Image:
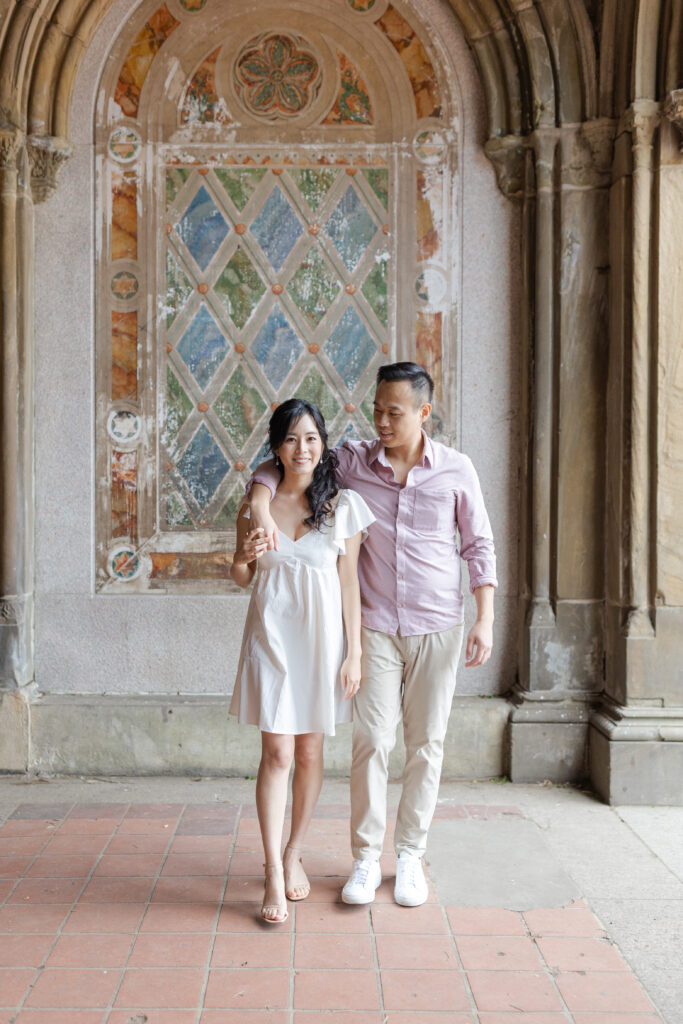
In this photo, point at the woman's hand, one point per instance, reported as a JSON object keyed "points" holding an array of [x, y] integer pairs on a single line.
{"points": [[251, 547], [350, 676]]}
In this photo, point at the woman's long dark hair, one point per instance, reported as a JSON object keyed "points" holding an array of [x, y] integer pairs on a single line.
{"points": [[323, 487]]}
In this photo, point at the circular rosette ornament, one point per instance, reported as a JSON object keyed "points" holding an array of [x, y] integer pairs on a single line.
{"points": [[277, 76]]}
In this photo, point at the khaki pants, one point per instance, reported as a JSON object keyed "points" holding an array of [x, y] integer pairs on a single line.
{"points": [[413, 676]]}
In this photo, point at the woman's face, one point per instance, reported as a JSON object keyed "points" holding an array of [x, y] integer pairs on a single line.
{"points": [[302, 448]]}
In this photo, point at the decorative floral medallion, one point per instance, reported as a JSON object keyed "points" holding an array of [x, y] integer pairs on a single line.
{"points": [[277, 76], [429, 147], [123, 426], [192, 5], [124, 285], [124, 144], [430, 286], [361, 5], [123, 564]]}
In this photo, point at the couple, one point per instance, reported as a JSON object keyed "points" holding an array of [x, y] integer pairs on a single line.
{"points": [[399, 596]]}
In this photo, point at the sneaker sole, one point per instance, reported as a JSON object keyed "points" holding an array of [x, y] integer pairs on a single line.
{"points": [[409, 903], [352, 901]]}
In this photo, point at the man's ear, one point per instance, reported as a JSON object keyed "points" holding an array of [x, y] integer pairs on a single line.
{"points": [[425, 411]]}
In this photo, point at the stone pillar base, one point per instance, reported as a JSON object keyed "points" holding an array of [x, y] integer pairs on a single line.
{"points": [[14, 732], [636, 754], [547, 736]]}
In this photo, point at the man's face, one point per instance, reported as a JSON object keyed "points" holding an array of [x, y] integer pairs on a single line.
{"points": [[398, 413]]}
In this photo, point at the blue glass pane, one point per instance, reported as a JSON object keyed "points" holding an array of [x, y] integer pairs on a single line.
{"points": [[350, 348], [277, 228], [350, 228], [202, 228], [203, 466], [277, 348], [202, 347]]}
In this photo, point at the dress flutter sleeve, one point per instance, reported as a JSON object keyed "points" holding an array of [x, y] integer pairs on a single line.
{"points": [[352, 516]]}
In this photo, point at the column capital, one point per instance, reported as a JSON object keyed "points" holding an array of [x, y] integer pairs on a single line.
{"points": [[507, 154], [640, 120], [11, 140], [587, 153], [673, 111], [46, 154]]}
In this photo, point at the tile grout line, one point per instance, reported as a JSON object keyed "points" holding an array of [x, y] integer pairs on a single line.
{"points": [[547, 969], [375, 960], [221, 898], [474, 1009]]}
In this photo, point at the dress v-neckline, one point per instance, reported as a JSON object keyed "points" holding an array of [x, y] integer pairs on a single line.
{"points": [[291, 539]]}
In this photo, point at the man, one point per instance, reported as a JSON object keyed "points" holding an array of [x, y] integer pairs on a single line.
{"points": [[421, 492]]}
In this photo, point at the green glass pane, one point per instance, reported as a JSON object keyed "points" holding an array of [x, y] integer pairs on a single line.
{"points": [[240, 182], [175, 179], [313, 288], [375, 289], [176, 513], [314, 183], [367, 406], [178, 407], [227, 516], [378, 179], [239, 287], [178, 289], [314, 388], [239, 407]]}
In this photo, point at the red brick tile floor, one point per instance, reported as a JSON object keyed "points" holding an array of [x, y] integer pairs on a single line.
{"points": [[148, 914]]}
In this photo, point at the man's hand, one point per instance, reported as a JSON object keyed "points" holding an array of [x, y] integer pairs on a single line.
{"points": [[479, 643], [261, 519], [251, 547]]}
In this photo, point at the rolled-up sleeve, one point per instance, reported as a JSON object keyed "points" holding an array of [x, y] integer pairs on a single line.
{"points": [[476, 536], [267, 475]]}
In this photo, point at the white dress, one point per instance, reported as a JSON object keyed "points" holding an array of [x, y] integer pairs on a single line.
{"points": [[293, 643]]}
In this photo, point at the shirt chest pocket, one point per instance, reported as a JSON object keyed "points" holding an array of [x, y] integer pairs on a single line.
{"points": [[434, 511]]}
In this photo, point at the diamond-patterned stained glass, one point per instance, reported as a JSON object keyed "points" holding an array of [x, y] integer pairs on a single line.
{"points": [[239, 406], [202, 347], [261, 455], [239, 287], [202, 228], [178, 289], [313, 288], [228, 514], [178, 407], [175, 179], [277, 229], [374, 288], [276, 347], [314, 388], [314, 183], [351, 228], [203, 466], [240, 182], [378, 180], [176, 512], [350, 348]]}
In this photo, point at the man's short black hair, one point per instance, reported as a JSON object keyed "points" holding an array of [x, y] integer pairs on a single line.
{"points": [[416, 375]]}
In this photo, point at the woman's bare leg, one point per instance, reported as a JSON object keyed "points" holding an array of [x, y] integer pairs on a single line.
{"points": [[306, 784], [271, 799]]}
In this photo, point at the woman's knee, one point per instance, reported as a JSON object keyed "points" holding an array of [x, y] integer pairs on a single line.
{"points": [[276, 755], [308, 751]]}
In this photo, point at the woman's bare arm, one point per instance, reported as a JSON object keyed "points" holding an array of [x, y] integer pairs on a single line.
{"points": [[251, 544]]}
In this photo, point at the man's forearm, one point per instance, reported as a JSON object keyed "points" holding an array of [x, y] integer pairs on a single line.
{"points": [[484, 598], [260, 498]]}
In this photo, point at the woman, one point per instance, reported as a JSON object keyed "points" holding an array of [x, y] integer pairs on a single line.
{"points": [[293, 679]]}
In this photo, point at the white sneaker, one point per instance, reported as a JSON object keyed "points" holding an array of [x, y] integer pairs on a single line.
{"points": [[364, 879], [410, 889]]}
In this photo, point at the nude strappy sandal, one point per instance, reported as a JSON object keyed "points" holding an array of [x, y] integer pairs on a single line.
{"points": [[304, 886], [274, 913]]}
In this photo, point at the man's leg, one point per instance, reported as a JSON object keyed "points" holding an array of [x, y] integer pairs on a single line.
{"points": [[376, 713], [429, 684]]}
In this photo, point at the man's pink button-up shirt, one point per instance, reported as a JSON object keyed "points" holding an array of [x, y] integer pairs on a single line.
{"points": [[409, 566]]}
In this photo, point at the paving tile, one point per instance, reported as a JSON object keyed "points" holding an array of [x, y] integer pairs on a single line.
{"points": [[101, 810], [47, 866], [47, 890], [26, 827], [14, 867], [426, 953], [155, 811], [128, 865], [424, 920], [20, 919], [243, 863], [254, 988], [528, 1018], [222, 811], [336, 990], [172, 949], [402, 1017], [424, 991], [604, 992], [24, 950], [40, 811], [616, 1018], [197, 889], [504, 990], [6, 886], [248, 1017], [196, 864], [62, 1017], [340, 1016], [74, 988], [153, 1017], [175, 988], [147, 826], [134, 844], [93, 949], [331, 917], [449, 811], [179, 917], [244, 889], [338, 951], [246, 950], [326, 890], [498, 953], [87, 827], [21, 846], [201, 844], [581, 955], [105, 917], [488, 811], [246, 917], [75, 846], [566, 921], [14, 984], [484, 921], [117, 890]]}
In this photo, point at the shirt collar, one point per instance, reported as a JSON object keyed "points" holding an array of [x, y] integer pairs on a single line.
{"points": [[378, 454]]}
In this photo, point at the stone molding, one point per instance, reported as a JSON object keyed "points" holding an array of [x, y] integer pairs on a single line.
{"points": [[507, 153], [10, 144], [46, 154], [638, 723], [12, 611], [673, 111]]}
